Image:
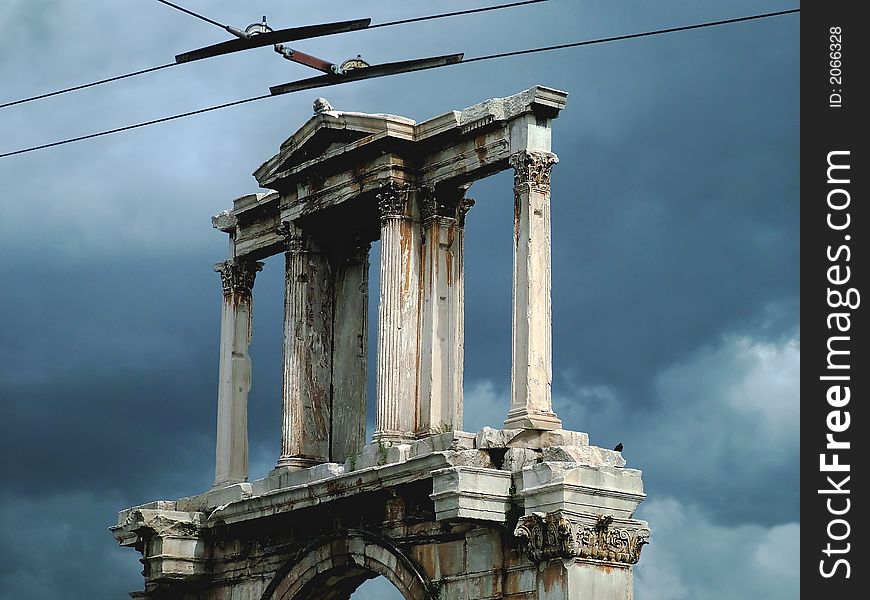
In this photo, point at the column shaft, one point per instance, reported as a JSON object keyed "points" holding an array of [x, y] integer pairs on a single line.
{"points": [[442, 331], [307, 353], [231, 452], [350, 354], [532, 362], [398, 315]]}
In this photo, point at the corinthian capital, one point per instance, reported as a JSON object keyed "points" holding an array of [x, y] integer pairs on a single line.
{"points": [[393, 199], [238, 276], [444, 204], [552, 535], [533, 167], [294, 240]]}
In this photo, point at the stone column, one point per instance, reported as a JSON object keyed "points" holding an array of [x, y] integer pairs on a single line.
{"points": [[231, 454], [350, 353], [532, 362], [442, 330], [398, 314], [307, 352]]}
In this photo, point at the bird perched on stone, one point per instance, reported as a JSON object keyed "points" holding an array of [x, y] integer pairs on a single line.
{"points": [[618, 447]]}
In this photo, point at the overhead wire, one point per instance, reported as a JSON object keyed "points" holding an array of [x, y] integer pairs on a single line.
{"points": [[173, 64], [193, 14], [630, 36], [470, 60]]}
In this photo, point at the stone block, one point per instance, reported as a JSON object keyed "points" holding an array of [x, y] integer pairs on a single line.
{"points": [[483, 550], [517, 458], [285, 477], [495, 438], [471, 458], [521, 581], [215, 497], [471, 493], [533, 439], [584, 455], [537, 439], [581, 489], [378, 455], [450, 440]]}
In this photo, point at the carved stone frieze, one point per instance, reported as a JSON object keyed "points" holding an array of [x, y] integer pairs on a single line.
{"points": [[532, 167], [238, 276], [552, 535], [393, 199]]}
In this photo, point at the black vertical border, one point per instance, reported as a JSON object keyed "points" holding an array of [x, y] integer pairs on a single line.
{"points": [[825, 129]]}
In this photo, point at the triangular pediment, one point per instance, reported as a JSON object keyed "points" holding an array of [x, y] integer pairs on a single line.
{"points": [[328, 134]]}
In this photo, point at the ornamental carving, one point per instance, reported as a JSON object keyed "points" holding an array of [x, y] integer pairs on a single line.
{"points": [[433, 205], [150, 523], [393, 199], [238, 276], [294, 240], [464, 206], [551, 535], [450, 205], [531, 167]]}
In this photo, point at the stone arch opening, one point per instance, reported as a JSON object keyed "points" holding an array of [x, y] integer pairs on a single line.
{"points": [[333, 568]]}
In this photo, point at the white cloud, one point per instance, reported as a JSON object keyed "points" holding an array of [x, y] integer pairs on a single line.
{"points": [[720, 425], [741, 378], [691, 557]]}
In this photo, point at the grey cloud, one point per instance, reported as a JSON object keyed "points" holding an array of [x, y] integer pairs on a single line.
{"points": [[675, 220]]}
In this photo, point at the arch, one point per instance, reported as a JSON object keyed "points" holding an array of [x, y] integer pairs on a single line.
{"points": [[333, 566]]}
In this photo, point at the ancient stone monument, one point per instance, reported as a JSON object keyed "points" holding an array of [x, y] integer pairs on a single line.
{"points": [[527, 511]]}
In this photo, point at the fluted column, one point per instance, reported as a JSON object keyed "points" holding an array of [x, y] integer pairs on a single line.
{"points": [[442, 323], [532, 361], [350, 352], [398, 314], [234, 373], [307, 352]]}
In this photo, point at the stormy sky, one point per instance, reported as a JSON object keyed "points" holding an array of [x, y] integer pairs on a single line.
{"points": [[675, 264]]}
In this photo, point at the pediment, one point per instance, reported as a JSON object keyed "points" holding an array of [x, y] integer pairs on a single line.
{"points": [[329, 133]]}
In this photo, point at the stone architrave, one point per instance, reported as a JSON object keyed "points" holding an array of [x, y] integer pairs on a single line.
{"points": [[442, 323], [231, 453], [532, 361], [398, 314], [307, 367]]}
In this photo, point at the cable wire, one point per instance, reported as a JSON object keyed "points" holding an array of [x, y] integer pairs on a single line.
{"points": [[454, 14], [137, 125], [193, 14], [632, 35], [376, 26], [87, 85], [470, 60]]}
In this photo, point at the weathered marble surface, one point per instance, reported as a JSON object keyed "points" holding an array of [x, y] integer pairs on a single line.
{"points": [[482, 515], [527, 512]]}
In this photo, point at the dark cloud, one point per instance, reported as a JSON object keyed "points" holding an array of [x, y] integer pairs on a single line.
{"points": [[675, 271]]}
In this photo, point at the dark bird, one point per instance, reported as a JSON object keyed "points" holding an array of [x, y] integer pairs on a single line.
{"points": [[618, 447]]}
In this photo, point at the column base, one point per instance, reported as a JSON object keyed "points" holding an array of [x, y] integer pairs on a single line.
{"points": [[394, 437], [296, 463], [227, 483], [523, 419]]}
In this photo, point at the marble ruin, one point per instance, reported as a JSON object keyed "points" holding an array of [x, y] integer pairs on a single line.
{"points": [[525, 511]]}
